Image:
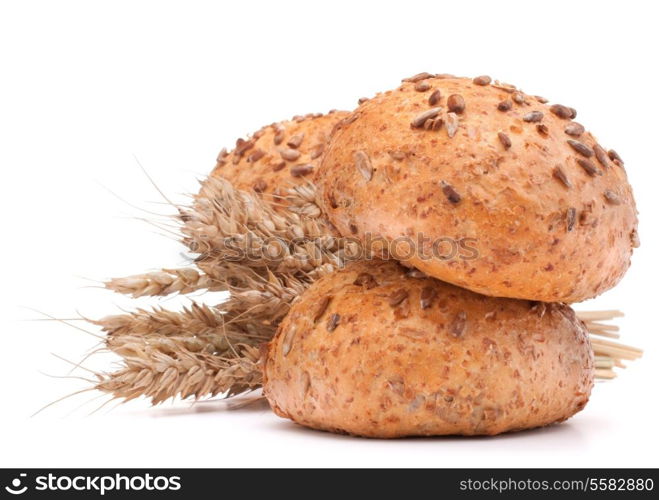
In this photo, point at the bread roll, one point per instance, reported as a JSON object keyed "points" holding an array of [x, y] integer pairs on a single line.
{"points": [[373, 351], [499, 192], [278, 155]]}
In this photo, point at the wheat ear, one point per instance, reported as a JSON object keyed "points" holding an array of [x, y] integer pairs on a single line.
{"points": [[160, 370], [194, 321], [164, 282]]}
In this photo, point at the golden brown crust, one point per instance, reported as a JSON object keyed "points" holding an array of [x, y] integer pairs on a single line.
{"points": [[372, 351], [279, 155], [550, 212]]}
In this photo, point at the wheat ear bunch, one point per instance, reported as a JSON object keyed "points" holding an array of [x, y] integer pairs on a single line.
{"points": [[197, 352], [238, 238], [227, 225]]}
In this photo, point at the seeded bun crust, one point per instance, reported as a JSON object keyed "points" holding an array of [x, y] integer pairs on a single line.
{"points": [[279, 155], [549, 211], [373, 351]]}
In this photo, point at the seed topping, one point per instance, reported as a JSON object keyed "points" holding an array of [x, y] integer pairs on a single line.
{"points": [[452, 123], [260, 186], [542, 129], [505, 140], [580, 148], [506, 87], [242, 146], [611, 197], [588, 166], [458, 324], [317, 151], [601, 155], [301, 170], [571, 218], [287, 342], [519, 98], [420, 119], [363, 164], [560, 175], [397, 155], [256, 156], [221, 157], [333, 322], [289, 154], [574, 129], [433, 124], [415, 273], [366, 280], [450, 193], [295, 141], [533, 117], [561, 111], [434, 98], [615, 157], [418, 77], [456, 103], [505, 105], [428, 294], [482, 80], [322, 307], [398, 297], [422, 86]]}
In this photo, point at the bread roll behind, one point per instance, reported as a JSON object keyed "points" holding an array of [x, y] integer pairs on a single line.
{"points": [[279, 155]]}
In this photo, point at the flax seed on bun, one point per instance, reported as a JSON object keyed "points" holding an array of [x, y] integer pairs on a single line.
{"points": [[550, 211]]}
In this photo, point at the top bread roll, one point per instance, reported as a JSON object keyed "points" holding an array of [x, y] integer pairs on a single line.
{"points": [[515, 197], [279, 155]]}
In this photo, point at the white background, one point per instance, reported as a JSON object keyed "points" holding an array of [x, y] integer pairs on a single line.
{"points": [[85, 86]]}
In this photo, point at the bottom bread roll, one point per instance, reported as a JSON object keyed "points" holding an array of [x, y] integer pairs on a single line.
{"points": [[372, 350]]}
